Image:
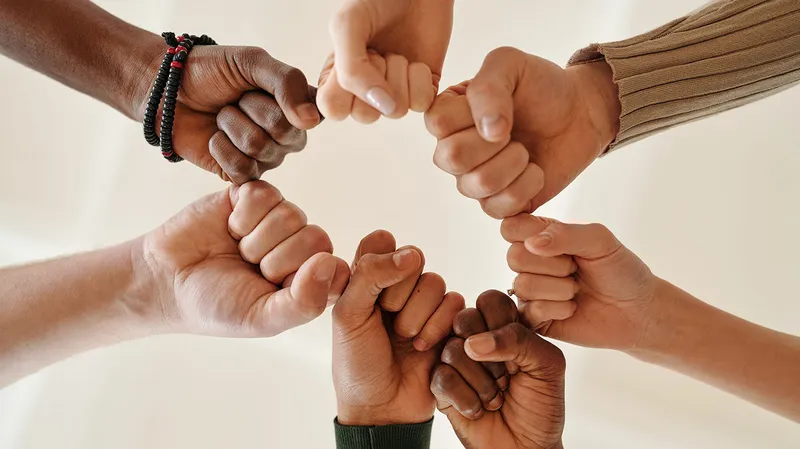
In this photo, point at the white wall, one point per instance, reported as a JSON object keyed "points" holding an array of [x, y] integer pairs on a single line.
{"points": [[712, 206]]}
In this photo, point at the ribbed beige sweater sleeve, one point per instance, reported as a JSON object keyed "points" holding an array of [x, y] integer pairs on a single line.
{"points": [[727, 54]]}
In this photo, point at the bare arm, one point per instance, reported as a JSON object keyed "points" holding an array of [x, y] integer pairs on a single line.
{"points": [[82, 46], [750, 361], [51, 310]]}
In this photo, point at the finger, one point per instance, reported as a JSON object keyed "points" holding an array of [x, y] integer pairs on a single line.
{"points": [[290, 254], [491, 93], [251, 203], [439, 325], [452, 392], [250, 138], [520, 260], [377, 242], [350, 30], [239, 167], [305, 300], [496, 174], [282, 222], [473, 373], [334, 102], [539, 314], [521, 345], [362, 112], [264, 111], [394, 298], [498, 310], [529, 287], [426, 297], [372, 274], [397, 77], [522, 226], [287, 85], [517, 197], [470, 322], [420, 87], [449, 113], [464, 151], [591, 242]]}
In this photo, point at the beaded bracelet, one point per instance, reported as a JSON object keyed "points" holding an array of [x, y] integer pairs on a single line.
{"points": [[166, 86]]}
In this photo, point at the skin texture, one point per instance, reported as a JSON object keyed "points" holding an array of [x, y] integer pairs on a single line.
{"points": [[532, 412], [619, 304], [563, 118], [238, 263], [415, 33], [382, 359], [239, 111]]}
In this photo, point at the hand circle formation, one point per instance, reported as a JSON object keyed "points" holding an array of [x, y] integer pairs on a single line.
{"points": [[246, 262]]}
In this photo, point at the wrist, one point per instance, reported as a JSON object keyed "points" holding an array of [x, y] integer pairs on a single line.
{"points": [[376, 416], [147, 294], [141, 68], [595, 83], [670, 323]]}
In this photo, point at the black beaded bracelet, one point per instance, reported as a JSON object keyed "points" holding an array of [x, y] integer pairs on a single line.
{"points": [[166, 86]]}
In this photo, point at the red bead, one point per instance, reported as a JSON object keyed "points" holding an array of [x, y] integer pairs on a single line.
{"points": [[180, 48], [176, 65], [172, 51], [180, 38]]}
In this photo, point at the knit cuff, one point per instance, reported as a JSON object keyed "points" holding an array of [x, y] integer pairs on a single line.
{"points": [[727, 54], [396, 436]]}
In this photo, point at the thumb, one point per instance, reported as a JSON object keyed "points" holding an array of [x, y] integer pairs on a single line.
{"points": [[491, 93], [285, 83], [373, 273], [516, 343], [317, 281], [591, 242], [351, 30]]}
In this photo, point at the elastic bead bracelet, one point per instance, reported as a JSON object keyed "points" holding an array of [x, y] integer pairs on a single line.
{"points": [[166, 86]]}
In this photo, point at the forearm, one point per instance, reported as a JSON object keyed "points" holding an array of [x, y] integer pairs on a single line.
{"points": [[82, 46], [755, 363], [54, 309]]}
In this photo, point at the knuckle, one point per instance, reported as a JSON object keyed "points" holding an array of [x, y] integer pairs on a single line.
{"points": [[503, 53], [472, 411], [437, 123], [444, 379], [316, 238], [252, 56], [453, 351], [368, 265], [291, 216], [247, 253], [484, 184], [493, 209], [450, 157], [432, 281], [516, 256], [493, 300], [260, 193]]}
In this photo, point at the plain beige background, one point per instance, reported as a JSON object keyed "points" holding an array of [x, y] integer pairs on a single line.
{"points": [[712, 206]]}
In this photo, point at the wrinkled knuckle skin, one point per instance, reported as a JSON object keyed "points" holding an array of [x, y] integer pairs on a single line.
{"points": [[437, 123], [449, 157], [290, 216], [316, 238], [260, 193]]}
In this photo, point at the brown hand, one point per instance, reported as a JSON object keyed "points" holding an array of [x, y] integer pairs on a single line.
{"points": [[532, 412], [239, 111]]}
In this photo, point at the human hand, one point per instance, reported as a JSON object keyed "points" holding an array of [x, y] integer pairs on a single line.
{"points": [[387, 329], [563, 118], [239, 111], [241, 263], [415, 32], [412, 86], [532, 412], [578, 283]]}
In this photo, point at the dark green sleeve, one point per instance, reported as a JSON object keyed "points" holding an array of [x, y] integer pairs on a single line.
{"points": [[397, 436]]}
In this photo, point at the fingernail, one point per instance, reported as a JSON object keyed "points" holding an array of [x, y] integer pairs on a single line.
{"points": [[381, 100], [482, 344], [325, 269], [421, 345], [496, 403], [308, 113], [403, 259], [542, 240], [493, 127]]}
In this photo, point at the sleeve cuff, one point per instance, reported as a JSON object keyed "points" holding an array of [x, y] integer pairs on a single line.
{"points": [[396, 436], [727, 54]]}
